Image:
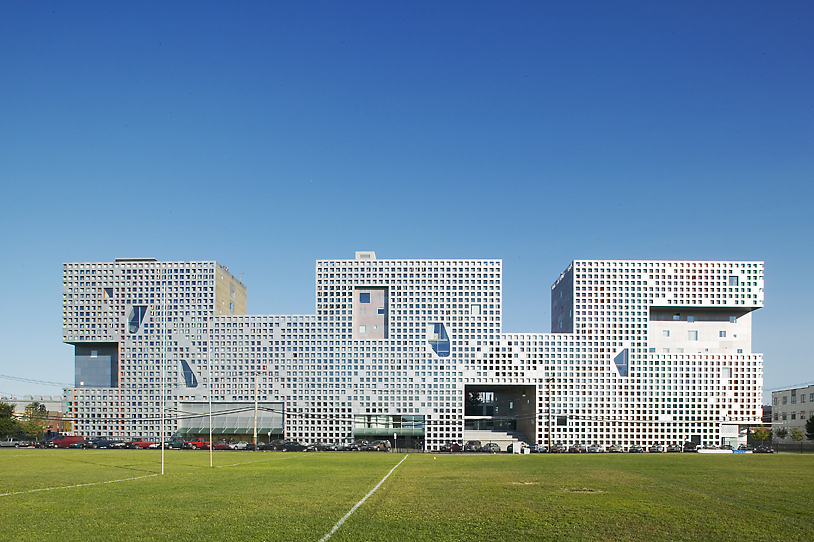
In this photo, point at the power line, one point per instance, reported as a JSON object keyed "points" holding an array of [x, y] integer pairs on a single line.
{"points": [[32, 381]]}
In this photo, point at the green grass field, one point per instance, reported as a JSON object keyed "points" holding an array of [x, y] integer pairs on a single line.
{"points": [[300, 496]]}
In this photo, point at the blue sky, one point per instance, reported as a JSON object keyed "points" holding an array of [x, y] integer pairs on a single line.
{"points": [[268, 135]]}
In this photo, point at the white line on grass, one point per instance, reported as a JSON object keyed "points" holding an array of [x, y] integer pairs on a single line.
{"points": [[76, 485], [358, 504]]}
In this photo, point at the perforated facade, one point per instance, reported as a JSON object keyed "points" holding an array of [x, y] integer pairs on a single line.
{"points": [[640, 352]]}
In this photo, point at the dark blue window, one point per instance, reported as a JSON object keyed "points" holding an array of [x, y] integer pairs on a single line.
{"points": [[364, 297], [621, 361]]}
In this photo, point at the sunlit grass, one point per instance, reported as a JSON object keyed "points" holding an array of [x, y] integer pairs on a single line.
{"points": [[300, 496]]}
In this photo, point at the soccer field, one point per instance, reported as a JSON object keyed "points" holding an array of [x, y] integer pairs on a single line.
{"points": [[116, 495]]}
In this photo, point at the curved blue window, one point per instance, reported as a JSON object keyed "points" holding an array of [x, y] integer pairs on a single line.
{"points": [[439, 340]]}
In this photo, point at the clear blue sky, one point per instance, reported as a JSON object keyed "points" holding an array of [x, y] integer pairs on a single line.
{"points": [[268, 135]]}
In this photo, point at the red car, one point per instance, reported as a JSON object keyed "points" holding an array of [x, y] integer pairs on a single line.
{"points": [[197, 444], [140, 444], [63, 441]]}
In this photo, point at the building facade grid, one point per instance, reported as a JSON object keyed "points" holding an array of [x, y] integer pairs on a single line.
{"points": [[640, 352]]}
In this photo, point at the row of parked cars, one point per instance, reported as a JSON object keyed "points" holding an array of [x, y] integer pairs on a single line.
{"points": [[475, 446], [101, 443]]}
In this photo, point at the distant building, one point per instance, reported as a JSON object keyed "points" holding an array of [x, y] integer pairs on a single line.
{"points": [[640, 352], [766, 419], [54, 405], [791, 407]]}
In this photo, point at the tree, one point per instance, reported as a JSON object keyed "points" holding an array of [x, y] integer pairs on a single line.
{"points": [[8, 425], [35, 419], [797, 435], [761, 434], [782, 433], [810, 428]]}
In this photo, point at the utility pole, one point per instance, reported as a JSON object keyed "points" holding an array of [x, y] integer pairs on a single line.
{"points": [[255, 409], [209, 388], [163, 358], [548, 395]]}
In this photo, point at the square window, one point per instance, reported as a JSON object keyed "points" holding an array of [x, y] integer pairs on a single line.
{"points": [[380, 311], [362, 329], [722, 333], [733, 319], [690, 319], [692, 335], [666, 333], [733, 281], [364, 297]]}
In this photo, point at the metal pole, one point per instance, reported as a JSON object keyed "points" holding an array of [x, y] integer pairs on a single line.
{"points": [[163, 363], [255, 409], [548, 391], [209, 360]]}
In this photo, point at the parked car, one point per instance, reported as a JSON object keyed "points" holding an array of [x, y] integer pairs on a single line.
{"points": [[636, 449], [616, 449], [746, 447], [656, 449], [490, 448], [100, 443], [472, 446], [13, 443], [558, 449], [81, 444], [451, 447], [510, 447], [118, 445], [691, 447], [197, 444], [764, 450], [577, 449], [64, 441], [142, 444], [378, 446], [293, 446], [595, 449], [174, 444], [44, 443], [538, 449]]}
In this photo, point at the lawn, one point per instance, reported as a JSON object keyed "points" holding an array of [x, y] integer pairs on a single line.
{"points": [[300, 496]]}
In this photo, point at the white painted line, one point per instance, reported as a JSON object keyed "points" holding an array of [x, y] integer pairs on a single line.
{"points": [[77, 485], [358, 504]]}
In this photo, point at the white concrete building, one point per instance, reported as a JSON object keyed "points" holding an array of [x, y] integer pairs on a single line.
{"points": [[640, 352]]}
